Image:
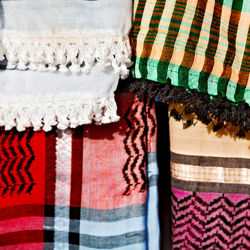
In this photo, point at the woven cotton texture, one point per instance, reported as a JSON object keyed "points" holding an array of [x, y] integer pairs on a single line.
{"points": [[200, 45], [65, 35], [210, 189], [42, 100], [93, 187]]}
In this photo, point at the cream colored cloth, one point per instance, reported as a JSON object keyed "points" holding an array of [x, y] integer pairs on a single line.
{"points": [[79, 50], [46, 99], [66, 35]]}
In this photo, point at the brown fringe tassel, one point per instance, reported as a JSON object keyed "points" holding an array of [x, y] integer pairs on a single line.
{"points": [[218, 113]]}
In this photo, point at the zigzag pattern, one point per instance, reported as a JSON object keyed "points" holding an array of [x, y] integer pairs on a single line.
{"points": [[217, 224], [134, 170], [16, 157]]}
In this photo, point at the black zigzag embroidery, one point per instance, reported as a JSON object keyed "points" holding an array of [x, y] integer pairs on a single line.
{"points": [[219, 224], [16, 157], [134, 170]]}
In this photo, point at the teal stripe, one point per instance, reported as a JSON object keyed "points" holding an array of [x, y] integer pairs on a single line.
{"points": [[239, 93], [162, 69], [247, 96], [230, 55], [193, 79], [143, 66], [191, 44], [136, 73], [203, 80], [230, 91], [212, 85], [231, 88]]}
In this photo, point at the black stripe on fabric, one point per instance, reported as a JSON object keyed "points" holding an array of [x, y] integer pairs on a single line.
{"points": [[210, 161], [210, 187]]}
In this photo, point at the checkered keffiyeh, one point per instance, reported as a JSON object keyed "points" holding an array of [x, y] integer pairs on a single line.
{"points": [[94, 187], [202, 45]]}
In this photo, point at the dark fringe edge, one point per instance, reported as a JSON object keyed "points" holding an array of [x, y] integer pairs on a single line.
{"points": [[219, 113]]}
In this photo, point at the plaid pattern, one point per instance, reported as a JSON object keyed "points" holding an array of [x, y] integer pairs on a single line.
{"points": [[210, 189], [94, 187], [201, 45]]}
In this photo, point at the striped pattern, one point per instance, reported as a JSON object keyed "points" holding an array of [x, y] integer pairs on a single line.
{"points": [[198, 44], [79, 200], [210, 189]]}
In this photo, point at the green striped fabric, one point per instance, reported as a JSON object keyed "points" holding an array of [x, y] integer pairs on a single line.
{"points": [[198, 44]]}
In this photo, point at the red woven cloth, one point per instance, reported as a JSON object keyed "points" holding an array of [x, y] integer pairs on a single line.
{"points": [[67, 189]]}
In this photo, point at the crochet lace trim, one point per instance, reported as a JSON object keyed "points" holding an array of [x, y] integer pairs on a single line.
{"points": [[70, 51], [64, 113]]}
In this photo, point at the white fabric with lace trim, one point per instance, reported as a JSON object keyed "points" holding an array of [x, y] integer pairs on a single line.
{"points": [[66, 100], [66, 35]]}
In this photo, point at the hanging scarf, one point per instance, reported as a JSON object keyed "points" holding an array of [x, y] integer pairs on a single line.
{"points": [[203, 49], [210, 178], [79, 51], [55, 193], [66, 100], [51, 35]]}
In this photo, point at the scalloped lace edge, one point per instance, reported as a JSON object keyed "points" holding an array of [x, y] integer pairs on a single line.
{"points": [[63, 114], [67, 54]]}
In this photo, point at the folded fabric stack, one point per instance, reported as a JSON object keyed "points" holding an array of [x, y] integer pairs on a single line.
{"points": [[80, 153], [80, 47]]}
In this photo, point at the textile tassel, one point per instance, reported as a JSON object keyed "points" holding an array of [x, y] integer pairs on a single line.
{"points": [[218, 113], [67, 114], [75, 55]]}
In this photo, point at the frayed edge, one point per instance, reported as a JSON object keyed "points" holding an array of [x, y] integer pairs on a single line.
{"points": [[63, 115], [218, 113], [75, 55]]}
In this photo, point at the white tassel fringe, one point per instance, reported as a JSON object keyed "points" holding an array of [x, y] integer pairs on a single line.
{"points": [[75, 55], [64, 114]]}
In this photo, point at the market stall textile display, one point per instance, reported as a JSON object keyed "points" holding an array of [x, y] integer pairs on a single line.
{"points": [[93, 187], [79, 51], [200, 47], [210, 189]]}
